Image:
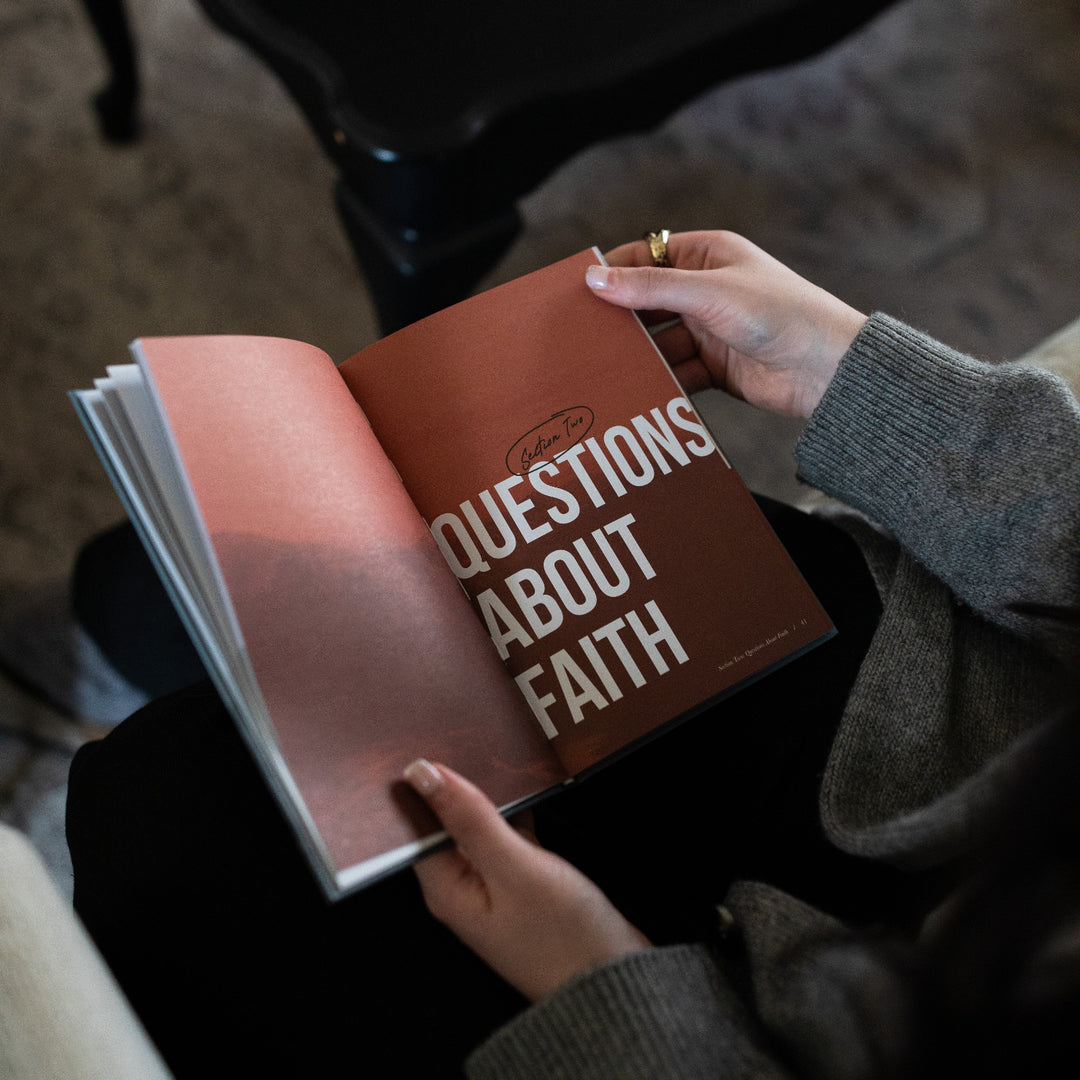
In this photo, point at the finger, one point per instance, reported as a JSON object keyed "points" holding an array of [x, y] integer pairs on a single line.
{"points": [[652, 288], [636, 253], [679, 348], [524, 823], [639, 252], [449, 884], [596, 280], [467, 814], [653, 319], [693, 376], [676, 343]]}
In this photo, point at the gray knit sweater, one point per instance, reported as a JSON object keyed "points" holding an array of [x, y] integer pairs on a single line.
{"points": [[964, 484]]}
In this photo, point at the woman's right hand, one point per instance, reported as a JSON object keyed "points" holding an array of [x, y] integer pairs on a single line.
{"points": [[749, 325]]}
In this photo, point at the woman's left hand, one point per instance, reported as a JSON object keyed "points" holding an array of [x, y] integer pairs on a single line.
{"points": [[527, 913]]}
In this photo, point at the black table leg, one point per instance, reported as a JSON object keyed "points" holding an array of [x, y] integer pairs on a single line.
{"points": [[117, 103], [413, 272]]}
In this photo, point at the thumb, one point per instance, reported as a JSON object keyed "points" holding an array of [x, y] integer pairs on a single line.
{"points": [[467, 814], [652, 288]]}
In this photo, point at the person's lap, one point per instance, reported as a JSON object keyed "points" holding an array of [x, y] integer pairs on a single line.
{"points": [[187, 876]]}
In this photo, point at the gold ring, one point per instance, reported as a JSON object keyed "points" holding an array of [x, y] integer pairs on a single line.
{"points": [[658, 247]]}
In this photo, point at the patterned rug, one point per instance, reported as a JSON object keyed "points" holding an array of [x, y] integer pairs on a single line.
{"points": [[928, 166]]}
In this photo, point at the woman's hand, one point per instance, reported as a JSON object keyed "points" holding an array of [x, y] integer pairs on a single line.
{"points": [[527, 913], [749, 325]]}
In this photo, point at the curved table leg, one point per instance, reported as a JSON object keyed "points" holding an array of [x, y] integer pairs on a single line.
{"points": [[117, 103], [413, 272]]}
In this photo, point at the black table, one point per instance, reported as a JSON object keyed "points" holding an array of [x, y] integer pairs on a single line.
{"points": [[439, 115]]}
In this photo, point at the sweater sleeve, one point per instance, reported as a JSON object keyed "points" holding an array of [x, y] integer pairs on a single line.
{"points": [[974, 468], [661, 1014]]}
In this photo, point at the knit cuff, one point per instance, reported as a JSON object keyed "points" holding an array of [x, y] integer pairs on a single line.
{"points": [[884, 418], [657, 1013]]}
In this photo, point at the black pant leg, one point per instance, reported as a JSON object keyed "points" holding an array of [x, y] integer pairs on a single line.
{"points": [[190, 882], [119, 600]]}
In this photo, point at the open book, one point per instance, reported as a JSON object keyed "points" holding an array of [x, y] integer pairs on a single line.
{"points": [[501, 538]]}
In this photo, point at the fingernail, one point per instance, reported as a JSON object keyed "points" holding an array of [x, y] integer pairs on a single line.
{"points": [[598, 277], [423, 776]]}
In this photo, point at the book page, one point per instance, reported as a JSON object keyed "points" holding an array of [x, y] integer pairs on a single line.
{"points": [[620, 567], [363, 646]]}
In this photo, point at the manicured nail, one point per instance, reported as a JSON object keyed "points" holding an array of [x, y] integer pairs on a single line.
{"points": [[423, 776], [598, 277]]}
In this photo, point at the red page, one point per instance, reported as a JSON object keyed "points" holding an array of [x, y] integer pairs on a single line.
{"points": [[364, 647], [622, 569]]}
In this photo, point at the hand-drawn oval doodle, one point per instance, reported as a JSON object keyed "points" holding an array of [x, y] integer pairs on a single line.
{"points": [[547, 441]]}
